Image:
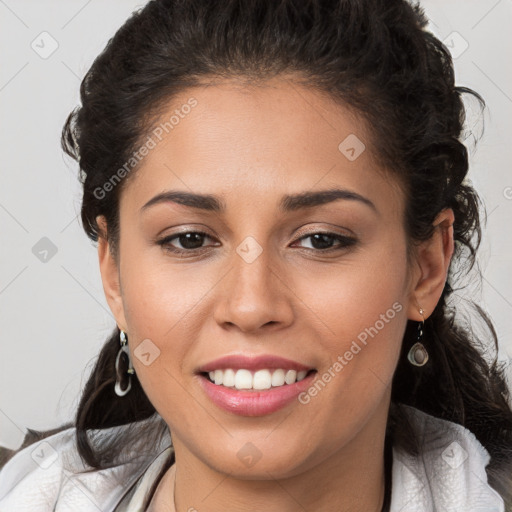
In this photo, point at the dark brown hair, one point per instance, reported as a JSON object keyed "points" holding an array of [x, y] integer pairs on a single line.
{"points": [[374, 56]]}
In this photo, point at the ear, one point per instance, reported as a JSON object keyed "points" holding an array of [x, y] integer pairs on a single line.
{"points": [[110, 275], [433, 259]]}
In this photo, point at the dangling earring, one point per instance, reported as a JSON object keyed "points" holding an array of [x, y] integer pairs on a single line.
{"points": [[124, 348], [418, 355]]}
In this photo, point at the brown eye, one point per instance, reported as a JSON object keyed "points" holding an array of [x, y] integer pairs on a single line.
{"points": [[324, 241], [188, 241]]}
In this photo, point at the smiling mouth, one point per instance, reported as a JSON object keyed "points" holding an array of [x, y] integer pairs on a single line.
{"points": [[260, 380]]}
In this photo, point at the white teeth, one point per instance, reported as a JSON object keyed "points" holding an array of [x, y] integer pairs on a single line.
{"points": [[259, 380], [262, 380], [290, 377], [229, 378], [301, 375], [278, 378], [243, 379]]}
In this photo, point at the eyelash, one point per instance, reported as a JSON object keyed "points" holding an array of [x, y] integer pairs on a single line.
{"points": [[345, 241]]}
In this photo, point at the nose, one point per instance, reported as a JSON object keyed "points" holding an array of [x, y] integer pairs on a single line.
{"points": [[254, 296]]}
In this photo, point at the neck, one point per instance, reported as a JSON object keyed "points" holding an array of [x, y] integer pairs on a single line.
{"points": [[350, 479]]}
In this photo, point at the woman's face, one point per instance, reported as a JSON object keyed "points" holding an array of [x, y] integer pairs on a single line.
{"points": [[263, 281]]}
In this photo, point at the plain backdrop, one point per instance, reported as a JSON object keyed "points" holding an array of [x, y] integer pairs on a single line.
{"points": [[53, 314]]}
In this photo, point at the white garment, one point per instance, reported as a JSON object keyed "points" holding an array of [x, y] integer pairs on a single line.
{"points": [[48, 476]]}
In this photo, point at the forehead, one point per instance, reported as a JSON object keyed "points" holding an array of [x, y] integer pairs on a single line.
{"points": [[258, 141]]}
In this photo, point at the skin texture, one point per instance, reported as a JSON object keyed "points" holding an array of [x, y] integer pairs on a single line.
{"points": [[250, 145]]}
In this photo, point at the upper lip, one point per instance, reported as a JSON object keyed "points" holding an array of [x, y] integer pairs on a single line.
{"points": [[239, 361]]}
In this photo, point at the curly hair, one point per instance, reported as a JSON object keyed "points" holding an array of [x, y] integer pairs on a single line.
{"points": [[375, 57]]}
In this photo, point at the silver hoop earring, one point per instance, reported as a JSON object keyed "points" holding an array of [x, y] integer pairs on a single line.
{"points": [[418, 355], [124, 348]]}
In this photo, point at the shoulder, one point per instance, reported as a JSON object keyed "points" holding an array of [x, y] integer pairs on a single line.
{"points": [[449, 473], [49, 475]]}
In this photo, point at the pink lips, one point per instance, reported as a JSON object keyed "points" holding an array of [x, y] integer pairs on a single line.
{"points": [[254, 403], [251, 402]]}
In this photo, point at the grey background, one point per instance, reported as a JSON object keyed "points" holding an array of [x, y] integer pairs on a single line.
{"points": [[53, 315]]}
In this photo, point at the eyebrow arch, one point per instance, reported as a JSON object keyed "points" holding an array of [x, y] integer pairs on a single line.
{"points": [[317, 198], [288, 203]]}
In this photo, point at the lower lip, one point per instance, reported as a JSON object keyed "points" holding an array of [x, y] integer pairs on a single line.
{"points": [[254, 403]]}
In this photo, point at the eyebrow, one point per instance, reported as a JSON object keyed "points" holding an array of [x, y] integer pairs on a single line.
{"points": [[288, 203]]}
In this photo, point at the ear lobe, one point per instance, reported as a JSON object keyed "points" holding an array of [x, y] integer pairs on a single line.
{"points": [[433, 257], [110, 275]]}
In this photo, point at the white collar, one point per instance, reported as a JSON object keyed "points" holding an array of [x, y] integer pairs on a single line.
{"points": [[448, 476]]}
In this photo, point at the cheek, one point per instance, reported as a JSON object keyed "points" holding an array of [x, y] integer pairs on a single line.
{"points": [[362, 314], [158, 294], [159, 301], [360, 307]]}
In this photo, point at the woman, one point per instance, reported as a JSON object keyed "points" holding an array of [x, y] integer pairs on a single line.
{"points": [[277, 192]]}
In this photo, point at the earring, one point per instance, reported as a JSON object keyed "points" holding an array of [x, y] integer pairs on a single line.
{"points": [[124, 348], [418, 355]]}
